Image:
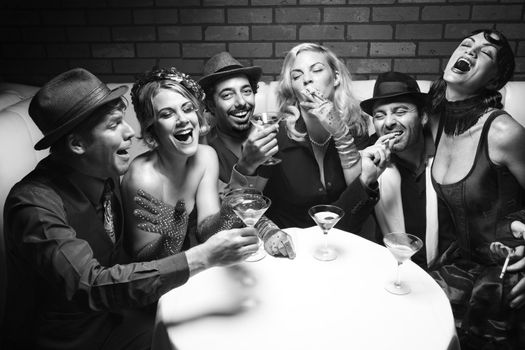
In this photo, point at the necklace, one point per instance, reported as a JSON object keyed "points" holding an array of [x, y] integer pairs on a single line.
{"points": [[460, 116], [322, 144]]}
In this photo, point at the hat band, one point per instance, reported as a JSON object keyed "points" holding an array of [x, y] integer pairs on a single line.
{"points": [[230, 67], [393, 87], [92, 99]]}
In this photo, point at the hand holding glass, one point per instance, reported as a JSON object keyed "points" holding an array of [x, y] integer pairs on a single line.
{"points": [[402, 246], [325, 216], [263, 120], [249, 207]]}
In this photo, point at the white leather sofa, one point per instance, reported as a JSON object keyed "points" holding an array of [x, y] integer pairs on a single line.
{"points": [[18, 133]]}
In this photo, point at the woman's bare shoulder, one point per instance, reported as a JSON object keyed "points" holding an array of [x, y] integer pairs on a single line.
{"points": [[506, 139], [206, 153], [141, 173], [505, 129], [207, 161], [207, 150]]}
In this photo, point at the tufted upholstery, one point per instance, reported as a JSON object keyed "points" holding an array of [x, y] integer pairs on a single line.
{"points": [[18, 133]]}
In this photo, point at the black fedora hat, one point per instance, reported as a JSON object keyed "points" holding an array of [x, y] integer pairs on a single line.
{"points": [[223, 65], [393, 84], [66, 100]]}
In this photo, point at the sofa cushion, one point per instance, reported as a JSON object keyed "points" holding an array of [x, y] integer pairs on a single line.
{"points": [[514, 100], [11, 93], [18, 134]]}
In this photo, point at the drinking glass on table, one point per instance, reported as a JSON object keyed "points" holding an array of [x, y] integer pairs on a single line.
{"points": [[402, 246], [249, 205], [325, 216], [263, 120]]}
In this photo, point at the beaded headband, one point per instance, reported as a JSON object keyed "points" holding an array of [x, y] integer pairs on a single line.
{"points": [[172, 74]]}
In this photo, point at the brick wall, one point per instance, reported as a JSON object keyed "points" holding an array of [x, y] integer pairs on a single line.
{"points": [[117, 39]]}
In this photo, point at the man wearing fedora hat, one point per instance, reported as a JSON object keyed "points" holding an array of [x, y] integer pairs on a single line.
{"points": [[70, 283], [400, 161], [230, 97]]}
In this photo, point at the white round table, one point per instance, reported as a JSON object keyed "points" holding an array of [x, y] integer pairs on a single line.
{"points": [[306, 304]]}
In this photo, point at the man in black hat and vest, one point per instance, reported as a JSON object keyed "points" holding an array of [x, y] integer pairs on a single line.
{"points": [[400, 161], [230, 97], [70, 283]]}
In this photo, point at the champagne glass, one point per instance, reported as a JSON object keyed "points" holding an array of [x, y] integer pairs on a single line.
{"points": [[325, 216], [249, 207], [402, 246], [263, 120]]}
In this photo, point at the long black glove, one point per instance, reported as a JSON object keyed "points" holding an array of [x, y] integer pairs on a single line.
{"points": [[225, 219]]}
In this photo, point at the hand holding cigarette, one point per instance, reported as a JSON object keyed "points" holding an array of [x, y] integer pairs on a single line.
{"points": [[314, 95], [500, 250], [387, 141], [504, 269]]}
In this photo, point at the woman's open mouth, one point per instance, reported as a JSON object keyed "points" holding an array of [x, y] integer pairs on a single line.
{"points": [[184, 136], [462, 65]]}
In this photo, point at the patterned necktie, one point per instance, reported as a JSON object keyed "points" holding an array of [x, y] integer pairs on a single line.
{"points": [[109, 225]]}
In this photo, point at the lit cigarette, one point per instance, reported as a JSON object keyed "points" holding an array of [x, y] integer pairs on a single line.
{"points": [[314, 93], [504, 269], [388, 142]]}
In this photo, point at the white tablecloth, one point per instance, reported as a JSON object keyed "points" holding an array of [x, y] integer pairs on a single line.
{"points": [[309, 304]]}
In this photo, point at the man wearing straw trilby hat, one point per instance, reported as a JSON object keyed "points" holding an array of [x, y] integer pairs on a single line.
{"points": [[70, 283]]}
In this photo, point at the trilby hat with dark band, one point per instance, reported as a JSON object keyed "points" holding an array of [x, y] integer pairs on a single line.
{"points": [[393, 84], [223, 65], [67, 100]]}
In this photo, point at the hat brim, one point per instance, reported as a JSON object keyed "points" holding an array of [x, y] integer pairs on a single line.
{"points": [[254, 73], [367, 105], [63, 129]]}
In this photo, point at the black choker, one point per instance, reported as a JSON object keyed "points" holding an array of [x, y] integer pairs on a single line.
{"points": [[459, 116]]}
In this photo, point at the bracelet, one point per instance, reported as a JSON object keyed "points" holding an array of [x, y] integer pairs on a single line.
{"points": [[265, 227], [347, 151]]}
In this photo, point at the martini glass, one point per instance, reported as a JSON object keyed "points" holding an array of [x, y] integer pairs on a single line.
{"points": [[325, 216], [249, 207], [240, 191], [402, 246], [263, 120]]}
